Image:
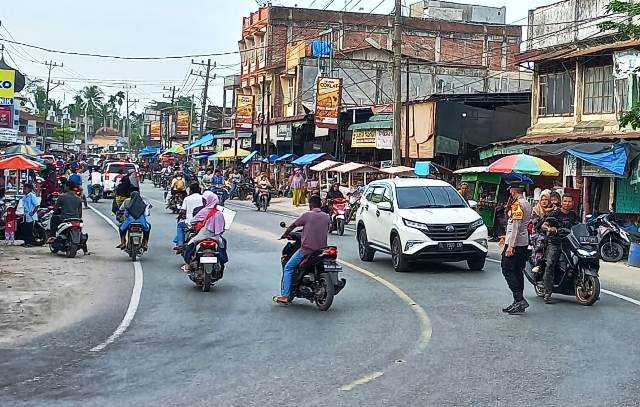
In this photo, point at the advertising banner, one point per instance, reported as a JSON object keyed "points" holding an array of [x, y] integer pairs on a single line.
{"points": [[154, 131], [244, 112], [384, 139], [6, 117], [7, 83], [328, 97], [8, 135], [363, 138], [31, 127], [182, 123]]}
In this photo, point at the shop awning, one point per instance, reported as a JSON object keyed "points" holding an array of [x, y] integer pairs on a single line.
{"points": [[206, 139], [286, 157], [309, 158], [378, 121], [251, 157], [472, 170], [230, 154], [325, 165], [354, 167], [397, 170]]}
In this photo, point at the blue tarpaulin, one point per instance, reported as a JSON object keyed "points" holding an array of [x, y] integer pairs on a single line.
{"points": [[423, 168], [613, 159], [286, 157], [308, 159], [321, 48], [250, 157], [207, 138]]}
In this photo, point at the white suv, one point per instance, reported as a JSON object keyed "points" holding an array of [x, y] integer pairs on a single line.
{"points": [[112, 172], [414, 219]]}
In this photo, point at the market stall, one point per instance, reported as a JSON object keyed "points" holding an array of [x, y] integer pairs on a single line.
{"points": [[485, 188], [325, 166], [355, 168], [398, 171]]}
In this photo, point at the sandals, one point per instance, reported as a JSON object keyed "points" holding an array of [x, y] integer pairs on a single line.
{"points": [[121, 246], [185, 268], [279, 299]]}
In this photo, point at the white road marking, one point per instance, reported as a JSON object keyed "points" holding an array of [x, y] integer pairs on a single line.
{"points": [[133, 302], [363, 380], [611, 293]]}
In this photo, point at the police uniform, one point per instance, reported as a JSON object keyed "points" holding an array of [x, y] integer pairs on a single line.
{"points": [[519, 215]]}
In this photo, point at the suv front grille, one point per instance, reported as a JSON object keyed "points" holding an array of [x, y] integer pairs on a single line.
{"points": [[460, 231]]}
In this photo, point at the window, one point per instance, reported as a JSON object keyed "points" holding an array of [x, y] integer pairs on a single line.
{"points": [[429, 197], [598, 89], [376, 195], [556, 94], [291, 91], [622, 90]]}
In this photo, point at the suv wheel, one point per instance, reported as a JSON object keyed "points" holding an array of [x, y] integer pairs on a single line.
{"points": [[366, 253], [399, 260], [476, 263]]}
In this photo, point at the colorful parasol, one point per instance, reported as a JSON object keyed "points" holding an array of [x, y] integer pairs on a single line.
{"points": [[22, 149], [177, 149], [523, 164], [18, 162]]}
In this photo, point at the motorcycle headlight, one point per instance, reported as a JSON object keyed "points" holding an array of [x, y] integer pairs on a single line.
{"points": [[476, 224], [416, 225]]}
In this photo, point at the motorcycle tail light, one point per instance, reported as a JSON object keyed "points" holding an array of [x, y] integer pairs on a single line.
{"points": [[76, 224], [209, 244], [136, 229], [331, 252]]}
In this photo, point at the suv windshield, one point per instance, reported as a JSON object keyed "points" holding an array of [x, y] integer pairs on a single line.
{"points": [[429, 197], [115, 168]]}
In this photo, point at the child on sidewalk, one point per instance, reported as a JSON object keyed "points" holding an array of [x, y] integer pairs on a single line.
{"points": [[10, 226]]}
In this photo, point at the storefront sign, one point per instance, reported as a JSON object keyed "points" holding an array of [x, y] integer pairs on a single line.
{"points": [[244, 112], [363, 138], [6, 102], [446, 145], [31, 127], [384, 139], [8, 135], [7, 83], [328, 97], [284, 132], [6, 117], [494, 151], [182, 123], [154, 130]]}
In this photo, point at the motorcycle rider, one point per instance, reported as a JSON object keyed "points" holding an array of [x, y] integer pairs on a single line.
{"points": [[206, 178], [76, 178], [68, 206], [315, 225], [256, 183], [95, 178], [218, 179], [561, 218], [213, 227], [190, 206], [178, 184], [236, 179], [514, 256], [135, 211], [333, 193]]}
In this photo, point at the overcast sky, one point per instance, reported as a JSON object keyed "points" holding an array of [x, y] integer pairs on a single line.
{"points": [[149, 28]]}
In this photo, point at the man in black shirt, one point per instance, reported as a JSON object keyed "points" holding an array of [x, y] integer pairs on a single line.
{"points": [[68, 206], [562, 218]]}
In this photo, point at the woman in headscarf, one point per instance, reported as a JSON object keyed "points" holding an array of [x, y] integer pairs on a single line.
{"points": [[296, 183], [122, 192], [540, 210], [135, 211], [538, 237], [212, 228]]}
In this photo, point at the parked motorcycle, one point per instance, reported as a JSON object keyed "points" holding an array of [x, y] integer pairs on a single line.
{"points": [[262, 203], [338, 215], [316, 278], [41, 226], [614, 241], [95, 193], [206, 268], [577, 268], [354, 205], [69, 238]]}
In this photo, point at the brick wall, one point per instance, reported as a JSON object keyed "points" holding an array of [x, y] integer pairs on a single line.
{"points": [[459, 51], [419, 46]]}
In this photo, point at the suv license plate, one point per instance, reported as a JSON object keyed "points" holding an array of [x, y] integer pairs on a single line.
{"points": [[450, 246], [208, 260]]}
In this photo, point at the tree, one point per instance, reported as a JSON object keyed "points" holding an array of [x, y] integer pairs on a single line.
{"points": [[76, 109], [66, 133], [135, 141], [36, 94], [627, 29], [93, 97]]}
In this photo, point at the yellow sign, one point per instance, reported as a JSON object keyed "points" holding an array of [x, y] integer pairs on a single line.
{"points": [[154, 130], [364, 139], [7, 83], [182, 123], [328, 95], [244, 112]]}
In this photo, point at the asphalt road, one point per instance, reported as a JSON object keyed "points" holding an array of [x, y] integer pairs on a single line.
{"points": [[233, 346]]}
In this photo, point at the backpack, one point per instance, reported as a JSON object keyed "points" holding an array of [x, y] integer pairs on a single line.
{"points": [[179, 184]]}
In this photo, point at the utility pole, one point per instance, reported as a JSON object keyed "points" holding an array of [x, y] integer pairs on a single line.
{"points": [[49, 65], [173, 108], [193, 98], [207, 77], [407, 158], [396, 154], [127, 129]]}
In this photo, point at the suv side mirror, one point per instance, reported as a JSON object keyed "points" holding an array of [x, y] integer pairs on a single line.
{"points": [[473, 204], [385, 206]]}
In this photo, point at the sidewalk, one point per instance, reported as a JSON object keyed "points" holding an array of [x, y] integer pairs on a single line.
{"points": [[280, 205]]}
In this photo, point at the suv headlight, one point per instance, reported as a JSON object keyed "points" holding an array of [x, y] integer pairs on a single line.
{"points": [[476, 224], [416, 225]]}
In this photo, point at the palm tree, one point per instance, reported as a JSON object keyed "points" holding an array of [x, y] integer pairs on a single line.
{"points": [[93, 96], [119, 98], [104, 112]]}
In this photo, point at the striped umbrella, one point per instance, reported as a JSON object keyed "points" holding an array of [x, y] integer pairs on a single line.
{"points": [[523, 164]]}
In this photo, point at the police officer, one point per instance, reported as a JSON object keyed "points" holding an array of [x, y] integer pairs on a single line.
{"points": [[514, 255]]}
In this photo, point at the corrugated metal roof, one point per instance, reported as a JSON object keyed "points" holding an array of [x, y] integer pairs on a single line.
{"points": [[572, 51]]}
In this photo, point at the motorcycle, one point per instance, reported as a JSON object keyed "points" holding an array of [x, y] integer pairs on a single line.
{"points": [[175, 201], [243, 190], [316, 278], [577, 268], [95, 193], [354, 205], [135, 234], [222, 192], [338, 215], [41, 226], [614, 241], [206, 268], [262, 202], [69, 238]]}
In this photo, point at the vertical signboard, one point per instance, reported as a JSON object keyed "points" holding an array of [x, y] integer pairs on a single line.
{"points": [[182, 123], [328, 97], [154, 131], [7, 83], [244, 112]]}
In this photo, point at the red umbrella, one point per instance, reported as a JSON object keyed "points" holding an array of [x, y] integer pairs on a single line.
{"points": [[18, 162]]}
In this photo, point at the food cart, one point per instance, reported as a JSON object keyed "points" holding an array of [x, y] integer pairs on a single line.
{"points": [[485, 188]]}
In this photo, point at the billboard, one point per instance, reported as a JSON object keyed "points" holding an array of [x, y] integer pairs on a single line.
{"points": [[154, 130], [182, 123], [7, 83], [6, 117], [328, 97], [244, 112]]}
